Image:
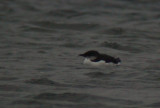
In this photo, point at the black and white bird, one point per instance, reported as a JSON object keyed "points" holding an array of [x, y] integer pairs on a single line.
{"points": [[95, 58]]}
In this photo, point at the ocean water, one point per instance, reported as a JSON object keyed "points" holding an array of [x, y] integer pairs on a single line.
{"points": [[40, 42]]}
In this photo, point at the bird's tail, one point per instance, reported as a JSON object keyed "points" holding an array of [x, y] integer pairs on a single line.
{"points": [[117, 60]]}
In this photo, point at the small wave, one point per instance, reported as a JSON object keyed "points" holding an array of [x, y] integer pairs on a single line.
{"points": [[115, 45], [65, 96], [45, 69], [155, 105], [81, 97], [98, 74], [10, 88], [7, 78], [65, 13], [71, 45], [71, 26], [42, 81], [27, 6], [26, 102], [35, 28], [114, 31], [85, 105]]}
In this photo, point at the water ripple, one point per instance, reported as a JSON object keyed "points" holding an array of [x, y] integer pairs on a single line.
{"points": [[70, 26], [118, 46], [42, 81]]}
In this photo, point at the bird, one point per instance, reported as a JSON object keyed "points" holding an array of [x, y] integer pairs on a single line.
{"points": [[95, 58]]}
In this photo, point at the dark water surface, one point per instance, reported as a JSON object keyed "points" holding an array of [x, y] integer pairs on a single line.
{"points": [[40, 41]]}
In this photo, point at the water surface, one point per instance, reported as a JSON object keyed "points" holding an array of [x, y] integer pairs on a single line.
{"points": [[40, 42]]}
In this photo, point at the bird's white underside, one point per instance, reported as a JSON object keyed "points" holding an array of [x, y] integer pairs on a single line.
{"points": [[99, 63]]}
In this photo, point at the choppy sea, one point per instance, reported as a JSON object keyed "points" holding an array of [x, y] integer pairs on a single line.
{"points": [[39, 45]]}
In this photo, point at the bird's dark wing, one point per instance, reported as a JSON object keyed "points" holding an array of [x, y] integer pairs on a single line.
{"points": [[107, 59], [104, 57]]}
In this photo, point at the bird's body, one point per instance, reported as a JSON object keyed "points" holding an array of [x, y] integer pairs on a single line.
{"points": [[97, 59]]}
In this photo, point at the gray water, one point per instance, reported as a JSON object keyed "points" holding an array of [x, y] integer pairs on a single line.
{"points": [[40, 42]]}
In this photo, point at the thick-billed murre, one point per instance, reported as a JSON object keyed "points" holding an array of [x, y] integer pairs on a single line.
{"points": [[95, 58]]}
